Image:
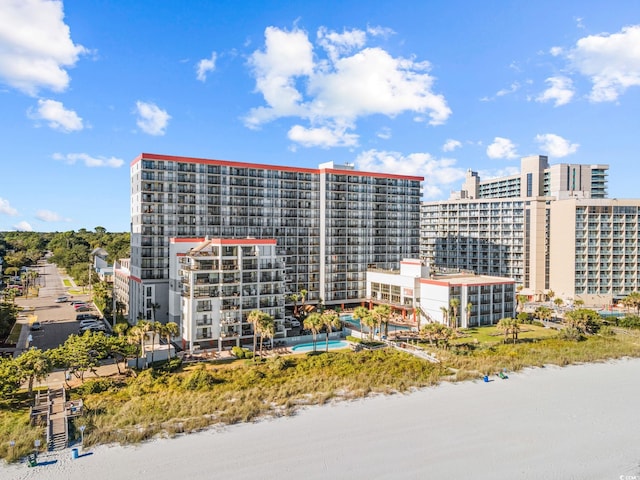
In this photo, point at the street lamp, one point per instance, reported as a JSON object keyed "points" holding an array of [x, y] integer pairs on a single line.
{"points": [[82, 427]]}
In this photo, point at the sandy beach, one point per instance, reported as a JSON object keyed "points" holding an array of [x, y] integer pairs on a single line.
{"points": [[579, 422]]}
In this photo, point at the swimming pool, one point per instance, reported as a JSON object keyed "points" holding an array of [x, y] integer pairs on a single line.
{"points": [[355, 322], [320, 346]]}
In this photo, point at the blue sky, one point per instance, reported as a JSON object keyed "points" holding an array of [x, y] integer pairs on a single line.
{"points": [[422, 88]]}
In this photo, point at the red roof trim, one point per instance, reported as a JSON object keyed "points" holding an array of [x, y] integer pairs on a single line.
{"points": [[205, 161]]}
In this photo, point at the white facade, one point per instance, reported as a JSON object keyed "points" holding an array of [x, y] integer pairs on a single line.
{"points": [[422, 295], [217, 283], [121, 280]]}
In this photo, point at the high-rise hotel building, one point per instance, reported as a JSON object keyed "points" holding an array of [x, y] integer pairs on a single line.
{"points": [[331, 223], [551, 228]]}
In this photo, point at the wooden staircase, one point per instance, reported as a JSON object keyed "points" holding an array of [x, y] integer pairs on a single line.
{"points": [[57, 432]]}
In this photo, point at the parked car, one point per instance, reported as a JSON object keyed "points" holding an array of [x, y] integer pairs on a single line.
{"points": [[76, 302], [83, 308], [36, 326], [92, 328], [62, 299], [90, 321], [86, 316]]}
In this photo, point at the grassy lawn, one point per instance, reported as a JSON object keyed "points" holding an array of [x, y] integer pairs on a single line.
{"points": [[493, 336], [15, 333], [66, 282]]}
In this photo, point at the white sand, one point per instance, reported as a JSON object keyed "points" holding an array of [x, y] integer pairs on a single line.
{"points": [[580, 422]]}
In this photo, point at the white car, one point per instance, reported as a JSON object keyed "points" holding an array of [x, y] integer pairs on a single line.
{"points": [[90, 321], [62, 299]]}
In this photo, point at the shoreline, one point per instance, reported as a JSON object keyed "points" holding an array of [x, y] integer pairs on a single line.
{"points": [[551, 422]]}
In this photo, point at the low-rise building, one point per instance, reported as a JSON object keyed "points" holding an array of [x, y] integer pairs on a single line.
{"points": [[461, 298]]}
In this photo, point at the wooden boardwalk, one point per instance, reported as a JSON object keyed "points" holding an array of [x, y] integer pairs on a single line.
{"points": [[53, 411]]}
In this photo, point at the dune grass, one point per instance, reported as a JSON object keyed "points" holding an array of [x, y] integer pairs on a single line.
{"points": [[158, 403]]}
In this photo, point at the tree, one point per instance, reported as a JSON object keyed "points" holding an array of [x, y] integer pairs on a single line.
{"points": [[454, 303], [267, 328], [632, 301], [10, 377], [382, 314], [522, 300], [469, 308], [583, 320], [438, 333], [359, 313], [543, 313], [330, 319], [504, 325], [254, 318], [445, 315], [558, 302], [313, 322], [33, 364], [169, 330]]}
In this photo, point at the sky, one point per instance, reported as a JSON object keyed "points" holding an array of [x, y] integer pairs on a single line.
{"points": [[428, 88]]}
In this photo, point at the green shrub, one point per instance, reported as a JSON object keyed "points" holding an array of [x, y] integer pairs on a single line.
{"points": [[572, 334], [199, 379], [97, 386], [353, 339], [240, 352], [630, 321], [537, 323]]}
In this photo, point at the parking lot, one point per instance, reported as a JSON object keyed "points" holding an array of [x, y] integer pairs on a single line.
{"points": [[57, 320]]}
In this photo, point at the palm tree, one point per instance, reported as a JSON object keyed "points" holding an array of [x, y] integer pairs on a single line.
{"points": [[154, 308], [169, 330], [454, 303], [521, 300], [359, 313], [254, 318], [267, 329], [120, 328], [468, 308], [330, 319], [370, 321], [383, 314], [313, 322], [505, 325], [445, 315]]}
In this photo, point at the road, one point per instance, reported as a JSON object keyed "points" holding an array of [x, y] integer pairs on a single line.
{"points": [[58, 320]]}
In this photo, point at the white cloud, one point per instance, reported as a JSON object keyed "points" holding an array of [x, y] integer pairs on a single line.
{"points": [[437, 173], [340, 44], [555, 145], [57, 116], [514, 87], [49, 216], [560, 91], [610, 61], [6, 208], [450, 145], [384, 133], [151, 118], [498, 173], [323, 137], [23, 227], [35, 46], [206, 65], [501, 148], [88, 160], [351, 82]]}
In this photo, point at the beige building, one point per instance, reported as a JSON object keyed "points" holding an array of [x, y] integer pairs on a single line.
{"points": [[593, 249], [551, 228]]}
